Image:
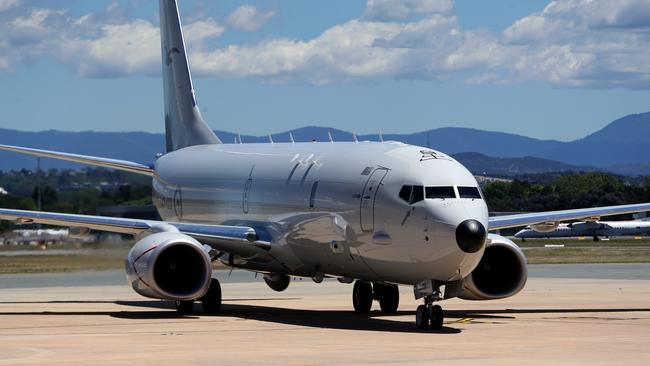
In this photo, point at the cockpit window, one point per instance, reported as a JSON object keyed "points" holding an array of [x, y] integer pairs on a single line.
{"points": [[441, 192], [412, 194], [469, 192], [418, 194], [405, 193]]}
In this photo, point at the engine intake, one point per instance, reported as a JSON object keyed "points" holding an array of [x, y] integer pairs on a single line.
{"points": [[501, 273], [169, 266]]}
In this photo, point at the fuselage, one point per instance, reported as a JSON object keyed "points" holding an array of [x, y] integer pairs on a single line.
{"points": [[338, 209], [595, 229]]}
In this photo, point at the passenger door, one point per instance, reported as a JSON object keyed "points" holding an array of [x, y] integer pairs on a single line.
{"points": [[368, 198]]}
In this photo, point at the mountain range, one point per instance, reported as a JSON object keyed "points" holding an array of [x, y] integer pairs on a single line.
{"points": [[621, 147]]}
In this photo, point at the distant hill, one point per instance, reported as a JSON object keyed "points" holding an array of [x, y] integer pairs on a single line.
{"points": [[623, 142], [622, 146]]}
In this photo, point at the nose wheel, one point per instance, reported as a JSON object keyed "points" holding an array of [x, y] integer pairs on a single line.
{"points": [[429, 315]]}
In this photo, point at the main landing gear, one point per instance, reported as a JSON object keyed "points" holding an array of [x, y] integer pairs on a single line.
{"points": [[364, 293], [211, 301]]}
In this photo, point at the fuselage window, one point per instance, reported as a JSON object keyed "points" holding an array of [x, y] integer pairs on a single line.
{"points": [[418, 194], [441, 192], [469, 192], [405, 193]]}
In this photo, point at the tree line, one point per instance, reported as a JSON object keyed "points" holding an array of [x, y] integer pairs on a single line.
{"points": [[72, 191], [577, 190]]}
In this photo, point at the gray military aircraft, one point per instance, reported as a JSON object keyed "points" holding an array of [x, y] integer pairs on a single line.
{"points": [[377, 214], [595, 229]]}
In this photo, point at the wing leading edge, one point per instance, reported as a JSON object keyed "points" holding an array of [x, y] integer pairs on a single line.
{"points": [[507, 221], [241, 240]]}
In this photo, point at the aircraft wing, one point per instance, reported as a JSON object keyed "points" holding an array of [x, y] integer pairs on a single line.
{"points": [[128, 166], [240, 240], [506, 221]]}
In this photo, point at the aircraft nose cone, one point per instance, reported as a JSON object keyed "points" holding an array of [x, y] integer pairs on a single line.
{"points": [[470, 236]]}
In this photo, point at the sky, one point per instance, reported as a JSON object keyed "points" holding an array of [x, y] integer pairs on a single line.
{"points": [[545, 69]]}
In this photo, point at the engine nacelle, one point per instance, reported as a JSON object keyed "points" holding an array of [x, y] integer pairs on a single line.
{"points": [[545, 227], [277, 281], [501, 273], [170, 266]]}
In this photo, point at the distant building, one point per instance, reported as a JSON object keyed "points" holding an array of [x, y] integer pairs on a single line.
{"points": [[484, 179]]}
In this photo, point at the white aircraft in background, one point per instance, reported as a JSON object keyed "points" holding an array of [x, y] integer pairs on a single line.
{"points": [[377, 214], [594, 229]]}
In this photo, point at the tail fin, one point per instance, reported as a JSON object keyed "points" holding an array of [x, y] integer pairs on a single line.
{"points": [[184, 125]]}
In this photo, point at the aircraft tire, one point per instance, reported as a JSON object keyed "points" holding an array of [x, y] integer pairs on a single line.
{"points": [[422, 317], [389, 300], [211, 301], [184, 307], [362, 297], [437, 317]]}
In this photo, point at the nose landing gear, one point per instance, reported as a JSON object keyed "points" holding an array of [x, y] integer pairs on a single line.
{"points": [[428, 314]]}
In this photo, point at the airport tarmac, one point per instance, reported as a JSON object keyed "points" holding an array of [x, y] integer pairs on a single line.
{"points": [[568, 314]]}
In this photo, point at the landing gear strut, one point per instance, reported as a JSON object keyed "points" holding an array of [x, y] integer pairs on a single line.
{"points": [[364, 293], [428, 314], [211, 301]]}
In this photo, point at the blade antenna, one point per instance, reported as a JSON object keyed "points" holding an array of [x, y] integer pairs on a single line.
{"points": [[329, 134], [291, 138], [381, 136], [239, 136], [354, 136], [271, 139]]}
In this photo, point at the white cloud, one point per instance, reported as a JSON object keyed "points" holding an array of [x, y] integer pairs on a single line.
{"points": [[342, 51], [390, 10], [7, 4], [93, 45], [201, 29], [571, 43], [586, 43], [123, 49], [248, 18]]}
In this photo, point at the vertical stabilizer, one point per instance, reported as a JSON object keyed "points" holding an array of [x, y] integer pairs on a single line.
{"points": [[184, 125]]}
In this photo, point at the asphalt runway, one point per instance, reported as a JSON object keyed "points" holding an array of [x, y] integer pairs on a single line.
{"points": [[568, 314]]}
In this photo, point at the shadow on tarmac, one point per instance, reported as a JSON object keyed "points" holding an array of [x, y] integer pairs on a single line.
{"points": [[347, 320]]}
